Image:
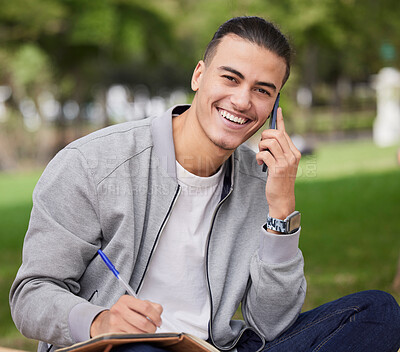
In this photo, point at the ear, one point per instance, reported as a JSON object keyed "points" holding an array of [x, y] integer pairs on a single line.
{"points": [[197, 75]]}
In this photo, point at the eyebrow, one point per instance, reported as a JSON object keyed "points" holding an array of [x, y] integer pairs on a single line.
{"points": [[240, 75]]}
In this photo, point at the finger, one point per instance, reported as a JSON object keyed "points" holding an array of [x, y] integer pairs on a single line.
{"points": [[293, 148], [157, 307], [265, 157], [275, 145], [280, 124], [147, 309], [277, 135], [135, 320], [283, 138], [130, 307], [272, 154], [289, 143], [125, 324]]}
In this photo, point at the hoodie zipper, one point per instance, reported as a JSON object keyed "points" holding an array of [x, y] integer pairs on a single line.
{"points": [[209, 287], [206, 269], [164, 223]]}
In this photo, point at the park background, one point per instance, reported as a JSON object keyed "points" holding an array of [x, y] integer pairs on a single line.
{"points": [[69, 67]]}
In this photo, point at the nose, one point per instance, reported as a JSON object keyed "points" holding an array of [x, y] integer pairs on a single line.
{"points": [[241, 99]]}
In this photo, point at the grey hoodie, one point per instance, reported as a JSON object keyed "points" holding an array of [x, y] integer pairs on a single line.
{"points": [[115, 189]]}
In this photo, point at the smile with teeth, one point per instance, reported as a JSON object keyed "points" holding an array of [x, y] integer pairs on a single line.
{"points": [[233, 118]]}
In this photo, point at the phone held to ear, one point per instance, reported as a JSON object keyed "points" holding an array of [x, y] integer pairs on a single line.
{"points": [[272, 122]]}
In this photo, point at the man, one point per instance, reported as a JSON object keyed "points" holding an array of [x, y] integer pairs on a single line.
{"points": [[180, 207]]}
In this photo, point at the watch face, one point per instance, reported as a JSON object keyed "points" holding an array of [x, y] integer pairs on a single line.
{"points": [[294, 221]]}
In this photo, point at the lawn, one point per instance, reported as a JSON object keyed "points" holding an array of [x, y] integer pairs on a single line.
{"points": [[350, 236], [15, 207], [348, 193]]}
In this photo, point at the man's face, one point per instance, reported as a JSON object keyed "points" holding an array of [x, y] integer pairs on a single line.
{"points": [[236, 90]]}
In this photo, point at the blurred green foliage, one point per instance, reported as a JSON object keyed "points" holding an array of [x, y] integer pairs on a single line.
{"points": [[80, 41], [95, 42], [78, 48]]}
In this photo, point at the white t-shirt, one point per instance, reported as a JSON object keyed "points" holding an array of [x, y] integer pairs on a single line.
{"points": [[176, 274]]}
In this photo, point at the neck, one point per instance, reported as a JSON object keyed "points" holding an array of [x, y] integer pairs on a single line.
{"points": [[193, 150]]}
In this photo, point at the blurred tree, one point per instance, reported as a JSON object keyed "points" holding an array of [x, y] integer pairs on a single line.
{"points": [[84, 42], [88, 45], [336, 38], [22, 61]]}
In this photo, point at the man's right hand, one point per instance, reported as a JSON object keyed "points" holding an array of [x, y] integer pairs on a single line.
{"points": [[128, 315]]}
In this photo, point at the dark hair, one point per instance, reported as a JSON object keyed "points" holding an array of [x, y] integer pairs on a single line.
{"points": [[256, 30]]}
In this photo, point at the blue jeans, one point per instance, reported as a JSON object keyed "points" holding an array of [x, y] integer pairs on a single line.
{"points": [[361, 322]]}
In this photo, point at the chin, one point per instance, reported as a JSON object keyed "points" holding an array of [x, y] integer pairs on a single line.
{"points": [[224, 145]]}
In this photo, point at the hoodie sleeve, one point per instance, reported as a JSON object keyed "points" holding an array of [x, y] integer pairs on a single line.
{"points": [[62, 238], [278, 286]]}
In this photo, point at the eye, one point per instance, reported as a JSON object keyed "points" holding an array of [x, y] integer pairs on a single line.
{"points": [[230, 78], [263, 91]]}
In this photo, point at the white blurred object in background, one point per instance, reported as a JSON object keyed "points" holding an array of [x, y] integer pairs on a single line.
{"points": [[386, 130]]}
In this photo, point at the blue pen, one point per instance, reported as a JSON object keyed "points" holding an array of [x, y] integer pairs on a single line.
{"points": [[116, 273]]}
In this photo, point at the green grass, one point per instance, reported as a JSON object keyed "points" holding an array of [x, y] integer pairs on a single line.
{"points": [[348, 193], [350, 234], [351, 158], [15, 207]]}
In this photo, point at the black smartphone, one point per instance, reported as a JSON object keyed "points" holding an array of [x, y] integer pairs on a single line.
{"points": [[272, 122]]}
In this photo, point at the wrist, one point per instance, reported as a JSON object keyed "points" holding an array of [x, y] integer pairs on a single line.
{"points": [[282, 208], [281, 213], [96, 323]]}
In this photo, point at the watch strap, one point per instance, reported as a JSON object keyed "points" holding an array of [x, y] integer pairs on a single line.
{"points": [[290, 225], [276, 225]]}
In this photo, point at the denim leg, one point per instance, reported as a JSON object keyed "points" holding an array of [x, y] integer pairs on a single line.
{"points": [[361, 322]]}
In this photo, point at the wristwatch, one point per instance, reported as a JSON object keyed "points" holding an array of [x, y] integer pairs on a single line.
{"points": [[290, 225]]}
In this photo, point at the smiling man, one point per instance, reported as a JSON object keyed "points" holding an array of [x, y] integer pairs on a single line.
{"points": [[184, 211]]}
